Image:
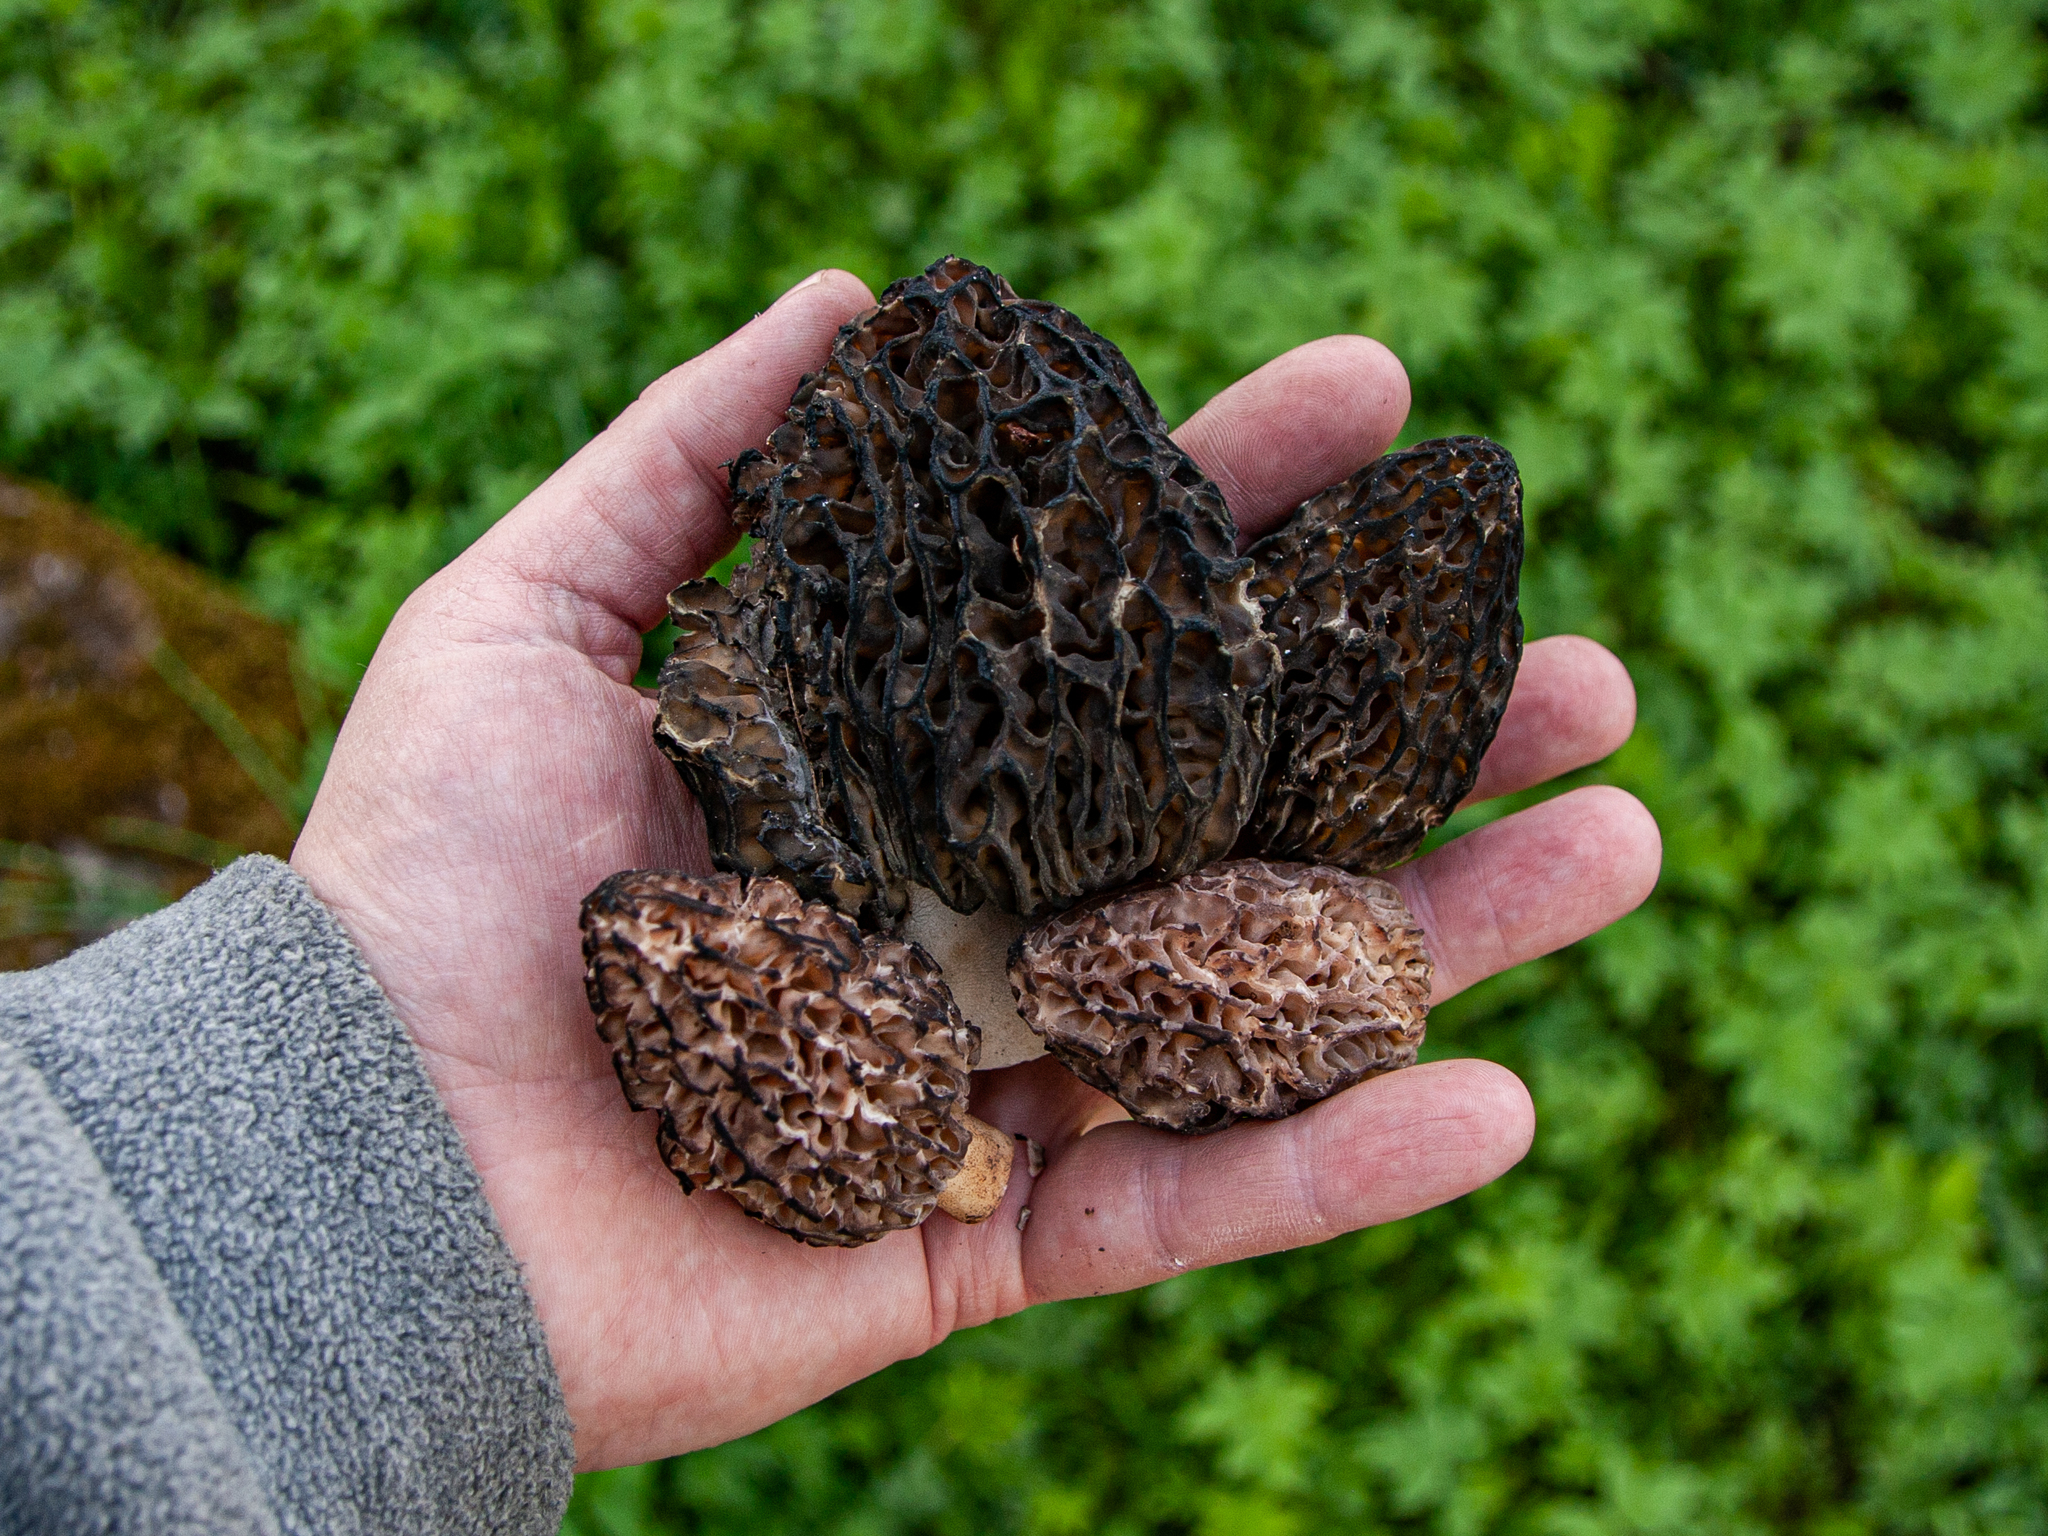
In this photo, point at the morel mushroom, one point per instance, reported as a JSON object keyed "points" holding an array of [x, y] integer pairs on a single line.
{"points": [[1392, 598], [1247, 990], [817, 1077], [996, 657], [995, 611]]}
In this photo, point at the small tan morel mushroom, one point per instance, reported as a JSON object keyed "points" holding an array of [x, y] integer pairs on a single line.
{"points": [[1247, 990], [818, 1077]]}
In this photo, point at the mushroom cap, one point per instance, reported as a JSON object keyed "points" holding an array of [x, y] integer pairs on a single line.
{"points": [[1004, 611], [1392, 597], [725, 722], [1247, 990], [818, 1078]]}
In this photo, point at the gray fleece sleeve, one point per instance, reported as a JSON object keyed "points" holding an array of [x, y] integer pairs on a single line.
{"points": [[248, 1278]]}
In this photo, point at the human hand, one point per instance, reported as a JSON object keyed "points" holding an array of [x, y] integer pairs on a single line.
{"points": [[497, 764]]}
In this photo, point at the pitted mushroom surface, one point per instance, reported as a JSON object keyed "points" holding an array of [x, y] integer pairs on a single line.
{"points": [[1003, 613], [1247, 990], [817, 1078], [1392, 598], [725, 724]]}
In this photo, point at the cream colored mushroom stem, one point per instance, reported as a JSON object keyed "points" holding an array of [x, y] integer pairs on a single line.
{"points": [[974, 1193], [973, 950]]}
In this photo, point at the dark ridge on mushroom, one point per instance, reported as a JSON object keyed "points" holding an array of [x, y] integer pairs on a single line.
{"points": [[725, 723], [1247, 990], [1009, 610], [1392, 599], [817, 1077]]}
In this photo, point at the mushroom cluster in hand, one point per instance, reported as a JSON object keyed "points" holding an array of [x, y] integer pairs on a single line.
{"points": [[1002, 745]]}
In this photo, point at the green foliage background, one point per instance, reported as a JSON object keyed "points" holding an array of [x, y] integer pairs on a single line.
{"points": [[1758, 293]]}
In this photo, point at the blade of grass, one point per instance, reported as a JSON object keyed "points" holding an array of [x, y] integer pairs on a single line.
{"points": [[321, 729], [81, 893], [228, 730], [174, 842]]}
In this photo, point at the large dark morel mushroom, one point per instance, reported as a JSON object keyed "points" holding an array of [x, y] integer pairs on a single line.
{"points": [[996, 611], [997, 681]]}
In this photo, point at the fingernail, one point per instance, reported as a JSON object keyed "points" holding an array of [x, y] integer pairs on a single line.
{"points": [[816, 277]]}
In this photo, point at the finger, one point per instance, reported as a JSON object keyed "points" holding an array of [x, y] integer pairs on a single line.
{"points": [[645, 504], [1043, 1100], [1303, 422], [1573, 703], [1531, 883], [1125, 1205], [1129, 1205]]}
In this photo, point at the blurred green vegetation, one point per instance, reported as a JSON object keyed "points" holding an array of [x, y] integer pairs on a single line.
{"points": [[1758, 294]]}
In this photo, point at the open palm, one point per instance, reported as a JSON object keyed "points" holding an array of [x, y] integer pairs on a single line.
{"points": [[497, 764]]}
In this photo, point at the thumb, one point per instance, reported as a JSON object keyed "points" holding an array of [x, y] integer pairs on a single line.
{"points": [[644, 504]]}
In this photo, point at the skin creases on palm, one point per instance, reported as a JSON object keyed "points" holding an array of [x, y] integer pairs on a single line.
{"points": [[999, 681]]}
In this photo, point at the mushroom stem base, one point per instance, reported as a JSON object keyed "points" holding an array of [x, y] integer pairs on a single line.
{"points": [[974, 1192], [973, 949]]}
